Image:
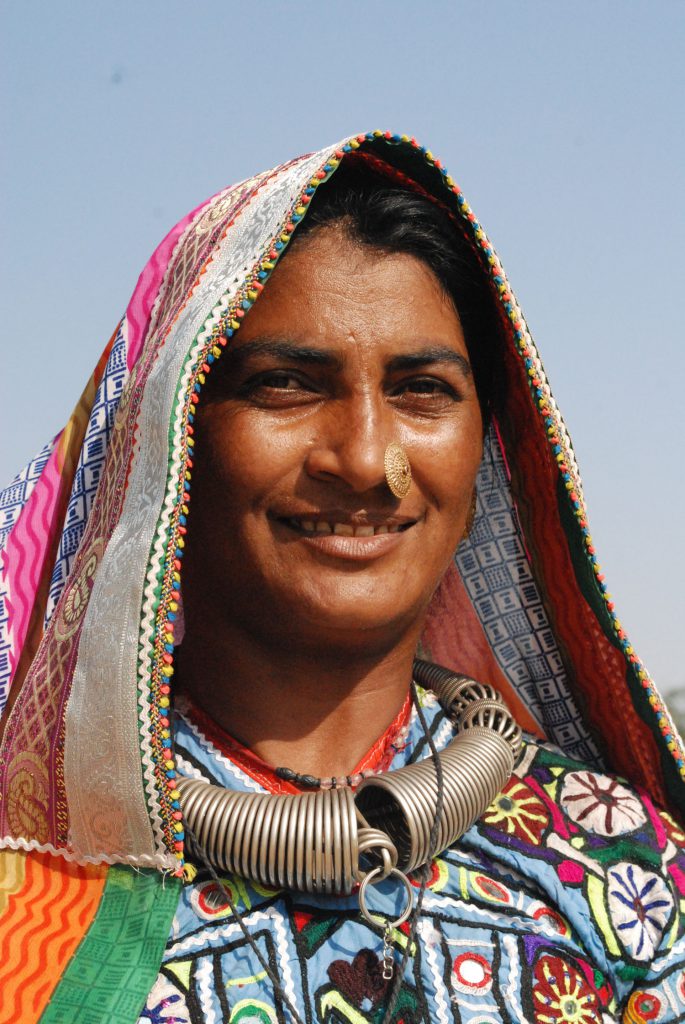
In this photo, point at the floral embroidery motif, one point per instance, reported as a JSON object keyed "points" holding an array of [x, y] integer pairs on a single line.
{"points": [[640, 905], [601, 804], [561, 995], [518, 812]]}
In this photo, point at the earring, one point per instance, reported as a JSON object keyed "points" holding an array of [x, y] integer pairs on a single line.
{"points": [[397, 469], [470, 515]]}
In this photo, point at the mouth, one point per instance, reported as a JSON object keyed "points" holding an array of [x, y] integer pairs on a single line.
{"points": [[351, 537], [333, 527]]}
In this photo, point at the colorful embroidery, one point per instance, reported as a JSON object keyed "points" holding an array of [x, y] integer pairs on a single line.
{"points": [[562, 995], [518, 811], [640, 906], [501, 936], [601, 804]]}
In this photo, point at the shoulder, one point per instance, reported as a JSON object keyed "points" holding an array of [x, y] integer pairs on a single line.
{"points": [[613, 861], [585, 805]]}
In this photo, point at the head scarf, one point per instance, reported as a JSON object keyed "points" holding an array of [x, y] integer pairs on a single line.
{"points": [[93, 536]]}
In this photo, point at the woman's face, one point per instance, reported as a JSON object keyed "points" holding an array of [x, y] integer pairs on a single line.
{"points": [[294, 533]]}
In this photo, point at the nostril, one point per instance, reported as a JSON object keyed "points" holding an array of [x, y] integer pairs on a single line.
{"points": [[361, 470]]}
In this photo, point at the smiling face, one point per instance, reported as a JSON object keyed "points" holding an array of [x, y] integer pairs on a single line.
{"points": [[294, 532]]}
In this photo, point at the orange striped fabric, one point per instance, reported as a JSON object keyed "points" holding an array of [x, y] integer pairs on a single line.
{"points": [[46, 907]]}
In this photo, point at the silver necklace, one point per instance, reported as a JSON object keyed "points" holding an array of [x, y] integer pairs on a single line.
{"points": [[332, 840]]}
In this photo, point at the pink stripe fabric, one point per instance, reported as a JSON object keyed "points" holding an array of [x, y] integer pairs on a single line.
{"points": [[147, 287], [31, 538], [25, 552]]}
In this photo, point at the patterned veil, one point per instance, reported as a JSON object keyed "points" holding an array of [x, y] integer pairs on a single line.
{"points": [[92, 538]]}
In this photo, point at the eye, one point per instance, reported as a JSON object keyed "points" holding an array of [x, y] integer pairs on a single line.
{"points": [[428, 386], [278, 387], [426, 391], [279, 380]]}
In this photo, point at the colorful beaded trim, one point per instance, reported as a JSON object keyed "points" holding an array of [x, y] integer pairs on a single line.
{"points": [[169, 577]]}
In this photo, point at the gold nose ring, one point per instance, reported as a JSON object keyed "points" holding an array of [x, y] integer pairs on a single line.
{"points": [[397, 469]]}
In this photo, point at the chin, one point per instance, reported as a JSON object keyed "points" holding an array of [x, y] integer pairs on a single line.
{"points": [[356, 619]]}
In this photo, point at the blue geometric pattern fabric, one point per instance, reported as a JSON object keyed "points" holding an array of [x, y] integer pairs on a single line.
{"points": [[91, 460], [495, 570], [17, 493]]}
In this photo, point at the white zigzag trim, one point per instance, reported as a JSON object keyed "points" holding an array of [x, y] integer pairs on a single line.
{"points": [[166, 863], [509, 943], [284, 954], [188, 769], [6, 642], [426, 931], [6, 631], [222, 759], [204, 977], [216, 935]]}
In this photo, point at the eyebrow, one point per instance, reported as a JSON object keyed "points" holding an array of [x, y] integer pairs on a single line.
{"points": [[306, 355], [281, 349], [430, 356]]}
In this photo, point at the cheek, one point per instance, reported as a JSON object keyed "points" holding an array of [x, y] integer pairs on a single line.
{"points": [[449, 466], [239, 463], [450, 493], [464, 478]]}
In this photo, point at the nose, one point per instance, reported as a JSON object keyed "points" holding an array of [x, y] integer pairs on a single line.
{"points": [[350, 446]]}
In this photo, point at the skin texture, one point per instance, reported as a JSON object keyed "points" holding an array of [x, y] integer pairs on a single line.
{"points": [[298, 644]]}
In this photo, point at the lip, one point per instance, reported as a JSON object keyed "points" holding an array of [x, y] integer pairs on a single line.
{"points": [[312, 529]]}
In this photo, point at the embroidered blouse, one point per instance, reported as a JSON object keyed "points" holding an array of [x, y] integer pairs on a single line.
{"points": [[564, 903]]}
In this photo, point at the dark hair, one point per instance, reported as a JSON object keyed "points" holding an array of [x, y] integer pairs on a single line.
{"points": [[394, 218]]}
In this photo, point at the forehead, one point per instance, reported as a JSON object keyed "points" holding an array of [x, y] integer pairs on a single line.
{"points": [[330, 288]]}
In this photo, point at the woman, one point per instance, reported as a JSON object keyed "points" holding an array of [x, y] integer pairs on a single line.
{"points": [[221, 573]]}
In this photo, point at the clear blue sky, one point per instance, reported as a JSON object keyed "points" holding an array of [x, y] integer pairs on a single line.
{"points": [[563, 123]]}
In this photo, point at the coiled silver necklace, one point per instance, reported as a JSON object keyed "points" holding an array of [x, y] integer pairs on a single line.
{"points": [[332, 840]]}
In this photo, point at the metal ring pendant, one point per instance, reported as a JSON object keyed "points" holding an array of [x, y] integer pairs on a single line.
{"points": [[376, 875]]}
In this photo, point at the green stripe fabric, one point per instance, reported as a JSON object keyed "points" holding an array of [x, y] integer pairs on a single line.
{"points": [[116, 964]]}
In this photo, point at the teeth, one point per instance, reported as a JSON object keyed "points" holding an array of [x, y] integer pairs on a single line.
{"points": [[342, 529]]}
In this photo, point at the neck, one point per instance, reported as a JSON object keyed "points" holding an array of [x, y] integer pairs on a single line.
{"points": [[318, 711]]}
